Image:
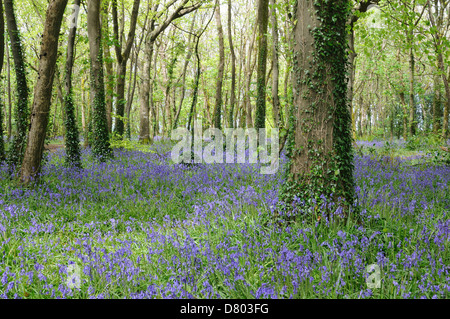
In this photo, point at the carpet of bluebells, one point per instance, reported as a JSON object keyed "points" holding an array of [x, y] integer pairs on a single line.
{"points": [[140, 226]]}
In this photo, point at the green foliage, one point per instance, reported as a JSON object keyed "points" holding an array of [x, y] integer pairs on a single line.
{"points": [[414, 143], [126, 144]]}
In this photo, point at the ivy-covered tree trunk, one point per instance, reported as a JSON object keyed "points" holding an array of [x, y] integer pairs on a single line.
{"points": [[320, 143], [2, 52], [73, 155], [15, 153], [218, 106], [263, 21], [100, 139], [43, 91]]}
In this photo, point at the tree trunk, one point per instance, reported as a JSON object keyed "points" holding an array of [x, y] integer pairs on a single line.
{"points": [[146, 94], [15, 154], [233, 70], [412, 106], [122, 59], [130, 96], [238, 118], [262, 20], [319, 145], [196, 84], [439, 11], [108, 67], [437, 106], [186, 63], [250, 67], [144, 123], [405, 116], [2, 52], [101, 146], [43, 90], [73, 155], [218, 106], [197, 77], [8, 66], [275, 76]]}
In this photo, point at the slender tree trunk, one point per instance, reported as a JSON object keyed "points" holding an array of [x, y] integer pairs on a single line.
{"points": [[15, 155], [405, 116], [2, 55], [8, 66], [263, 20], [197, 78], [43, 90], [122, 59], [437, 114], [218, 106], [441, 67], [153, 106], [351, 68], [146, 97], [101, 145], [276, 74], [233, 69], [73, 154], [108, 67], [186, 63], [412, 106], [250, 67], [130, 96], [240, 100], [144, 124]]}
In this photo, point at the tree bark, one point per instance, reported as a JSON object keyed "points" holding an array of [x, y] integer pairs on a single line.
{"points": [[8, 67], [144, 123], [2, 55], [186, 63], [146, 89], [233, 70], [439, 10], [109, 96], [250, 68], [220, 71], [319, 145], [262, 20], [122, 59], [43, 90], [101, 145], [15, 155], [412, 105], [130, 96], [73, 154], [276, 74]]}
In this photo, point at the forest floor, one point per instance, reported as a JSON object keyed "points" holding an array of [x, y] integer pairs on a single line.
{"points": [[139, 226]]}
